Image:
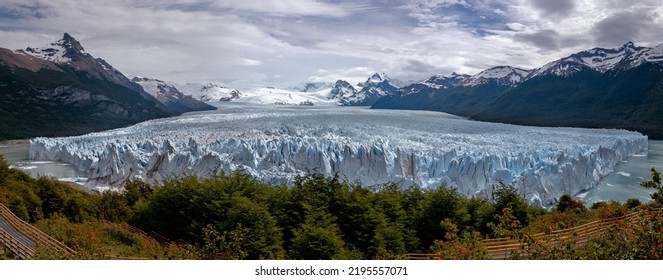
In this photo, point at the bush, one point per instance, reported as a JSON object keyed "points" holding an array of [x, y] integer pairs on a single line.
{"points": [[566, 203]]}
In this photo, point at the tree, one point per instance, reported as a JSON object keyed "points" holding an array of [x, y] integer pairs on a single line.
{"points": [[439, 204], [566, 202], [136, 190], [506, 196], [262, 238], [225, 246], [655, 183], [319, 238]]}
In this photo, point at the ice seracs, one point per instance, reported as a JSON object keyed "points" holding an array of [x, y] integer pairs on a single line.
{"points": [[373, 147]]}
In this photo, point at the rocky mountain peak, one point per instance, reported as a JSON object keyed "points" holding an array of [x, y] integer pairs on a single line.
{"points": [[64, 50]]}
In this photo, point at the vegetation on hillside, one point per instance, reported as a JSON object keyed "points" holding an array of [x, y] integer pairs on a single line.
{"points": [[67, 102], [235, 217], [629, 99]]}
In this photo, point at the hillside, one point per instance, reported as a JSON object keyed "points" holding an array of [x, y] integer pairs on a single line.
{"points": [[598, 88], [61, 90]]}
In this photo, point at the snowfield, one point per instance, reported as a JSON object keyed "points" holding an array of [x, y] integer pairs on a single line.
{"points": [[373, 147]]}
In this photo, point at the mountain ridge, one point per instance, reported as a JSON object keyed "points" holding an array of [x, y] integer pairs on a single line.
{"points": [[596, 88], [61, 90]]}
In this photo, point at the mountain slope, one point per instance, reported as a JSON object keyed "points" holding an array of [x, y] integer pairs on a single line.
{"points": [[597, 88], [630, 99], [62, 90], [209, 92], [170, 96], [375, 87]]}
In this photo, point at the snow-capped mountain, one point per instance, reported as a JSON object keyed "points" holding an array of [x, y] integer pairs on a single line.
{"points": [[277, 96], [342, 91], [168, 94], [602, 60], [313, 86], [68, 52], [63, 90], [501, 75], [600, 87], [210, 92], [61, 51], [442, 81], [434, 83], [375, 87]]}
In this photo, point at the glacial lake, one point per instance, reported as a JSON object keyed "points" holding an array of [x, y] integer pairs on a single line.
{"points": [[624, 182], [17, 156]]}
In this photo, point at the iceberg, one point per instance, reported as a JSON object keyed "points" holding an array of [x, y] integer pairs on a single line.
{"points": [[372, 147]]}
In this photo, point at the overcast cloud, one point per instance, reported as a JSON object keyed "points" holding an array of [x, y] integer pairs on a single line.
{"points": [[248, 43]]}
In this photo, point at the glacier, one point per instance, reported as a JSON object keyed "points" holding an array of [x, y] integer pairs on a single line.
{"points": [[372, 147]]}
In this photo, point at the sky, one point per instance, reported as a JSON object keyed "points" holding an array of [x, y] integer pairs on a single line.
{"points": [[254, 43]]}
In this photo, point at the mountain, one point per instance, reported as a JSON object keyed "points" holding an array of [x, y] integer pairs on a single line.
{"points": [[210, 92], [602, 60], [597, 88], [62, 90], [501, 75], [312, 86], [342, 91], [375, 87], [168, 95], [434, 82]]}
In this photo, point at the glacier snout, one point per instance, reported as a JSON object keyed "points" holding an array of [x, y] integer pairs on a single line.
{"points": [[414, 148]]}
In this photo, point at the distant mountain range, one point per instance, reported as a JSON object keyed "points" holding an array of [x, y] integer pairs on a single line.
{"points": [[597, 88], [60, 90]]}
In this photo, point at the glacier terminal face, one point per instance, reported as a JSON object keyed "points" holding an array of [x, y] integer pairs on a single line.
{"points": [[373, 147]]}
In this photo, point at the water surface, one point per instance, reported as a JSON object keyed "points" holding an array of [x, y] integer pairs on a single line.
{"points": [[624, 182]]}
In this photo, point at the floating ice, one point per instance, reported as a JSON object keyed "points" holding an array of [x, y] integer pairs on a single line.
{"points": [[625, 174], [368, 146]]}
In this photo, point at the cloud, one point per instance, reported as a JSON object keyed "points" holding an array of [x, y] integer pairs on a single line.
{"points": [[281, 43], [544, 39], [623, 27], [285, 7], [554, 7]]}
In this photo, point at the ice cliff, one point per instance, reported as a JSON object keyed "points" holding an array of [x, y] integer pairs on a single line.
{"points": [[368, 146]]}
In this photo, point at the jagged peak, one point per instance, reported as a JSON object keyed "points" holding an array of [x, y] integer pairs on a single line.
{"points": [[342, 83], [454, 74], [67, 37], [628, 44], [60, 51], [376, 78]]}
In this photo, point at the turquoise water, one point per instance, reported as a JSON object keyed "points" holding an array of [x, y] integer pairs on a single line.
{"points": [[624, 182], [17, 157]]}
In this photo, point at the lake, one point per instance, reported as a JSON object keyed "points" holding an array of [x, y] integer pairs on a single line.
{"points": [[624, 182], [17, 156]]}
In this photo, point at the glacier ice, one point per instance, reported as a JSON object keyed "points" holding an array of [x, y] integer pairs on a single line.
{"points": [[372, 147]]}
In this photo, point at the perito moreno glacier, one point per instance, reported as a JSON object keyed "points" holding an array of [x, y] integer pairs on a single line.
{"points": [[371, 147]]}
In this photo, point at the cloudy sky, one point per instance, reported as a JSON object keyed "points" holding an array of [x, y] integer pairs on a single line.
{"points": [[248, 43]]}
